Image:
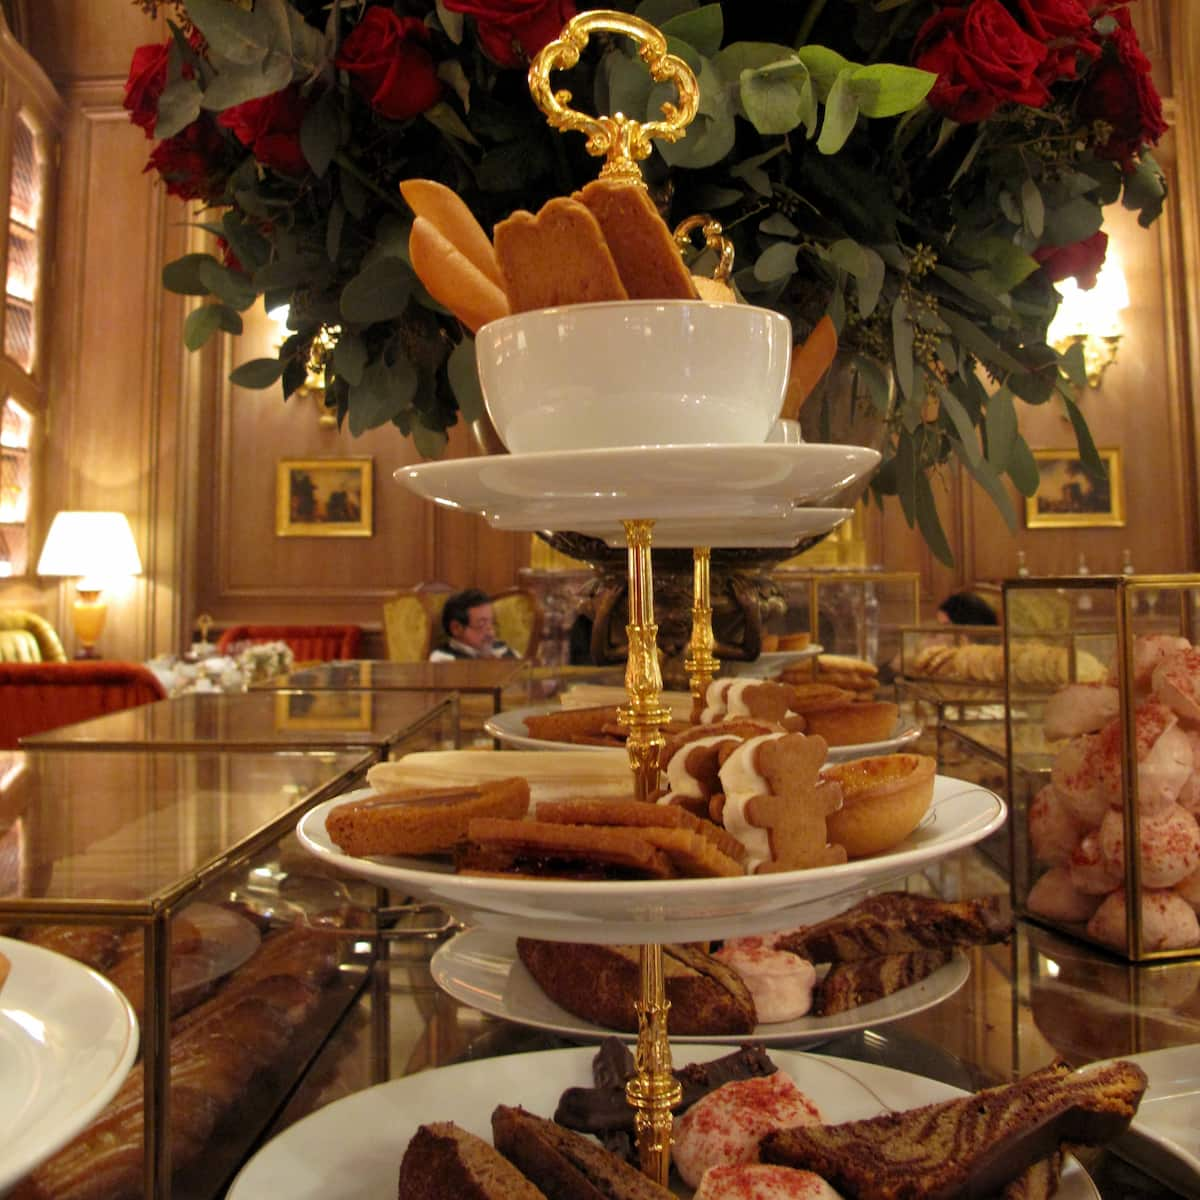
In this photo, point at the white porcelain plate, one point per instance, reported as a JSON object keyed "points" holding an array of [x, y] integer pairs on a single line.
{"points": [[67, 1040], [351, 1149], [770, 663], [698, 483], [665, 910], [508, 728], [770, 527], [1164, 1139], [480, 967]]}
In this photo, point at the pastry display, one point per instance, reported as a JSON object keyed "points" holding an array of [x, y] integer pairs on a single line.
{"points": [[857, 675], [1076, 824], [1035, 664]]}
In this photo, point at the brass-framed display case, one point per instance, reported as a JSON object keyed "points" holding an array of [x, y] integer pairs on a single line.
{"points": [[178, 876], [1117, 769]]}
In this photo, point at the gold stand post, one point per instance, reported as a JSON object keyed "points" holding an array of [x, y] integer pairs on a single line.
{"points": [[700, 662], [653, 1091], [645, 714]]}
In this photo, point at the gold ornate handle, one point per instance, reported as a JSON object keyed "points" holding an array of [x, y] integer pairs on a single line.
{"points": [[714, 239], [623, 142]]}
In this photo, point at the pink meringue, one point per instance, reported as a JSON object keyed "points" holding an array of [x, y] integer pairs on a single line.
{"points": [[780, 982], [1176, 682], [1169, 845], [1056, 898], [723, 1128], [1162, 769], [1148, 651], [762, 1181], [1189, 889], [1168, 921], [1073, 774], [1054, 831], [1089, 871], [1080, 708]]}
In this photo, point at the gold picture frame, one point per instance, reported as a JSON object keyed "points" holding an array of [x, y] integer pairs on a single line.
{"points": [[324, 497], [1068, 498], [330, 711]]}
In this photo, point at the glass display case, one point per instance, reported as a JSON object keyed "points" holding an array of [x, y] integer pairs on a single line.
{"points": [[853, 612], [1116, 762], [177, 875]]}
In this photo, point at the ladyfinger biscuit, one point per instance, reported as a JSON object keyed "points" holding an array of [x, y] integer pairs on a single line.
{"points": [[557, 257], [448, 213], [647, 258], [452, 279], [421, 820]]}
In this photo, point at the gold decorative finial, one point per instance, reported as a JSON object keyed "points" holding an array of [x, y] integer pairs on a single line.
{"points": [[623, 142], [714, 239]]}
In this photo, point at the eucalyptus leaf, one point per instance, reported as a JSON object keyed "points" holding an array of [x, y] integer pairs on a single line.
{"points": [[178, 107], [333, 230], [930, 522], [234, 288], [284, 273], [463, 374], [235, 86], [702, 28], [182, 275], [734, 60], [711, 136], [870, 283], [879, 388], [841, 114], [206, 320], [451, 22], [772, 105], [250, 247], [379, 292], [660, 12], [978, 343], [826, 67], [953, 410], [1073, 364], [986, 476], [1072, 222], [906, 474], [1145, 190], [349, 358], [444, 119], [777, 225], [1023, 468], [886, 90], [1000, 424], [971, 289], [320, 133], [239, 36], [257, 373], [1033, 208], [1089, 457], [777, 261], [429, 443], [902, 348]]}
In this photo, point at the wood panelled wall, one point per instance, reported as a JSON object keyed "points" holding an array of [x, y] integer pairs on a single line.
{"points": [[137, 423]]}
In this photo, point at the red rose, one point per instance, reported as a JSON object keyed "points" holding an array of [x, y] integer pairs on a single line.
{"points": [[1065, 28], [1082, 260], [144, 87], [983, 59], [511, 32], [388, 62], [270, 126], [191, 162], [1121, 93]]}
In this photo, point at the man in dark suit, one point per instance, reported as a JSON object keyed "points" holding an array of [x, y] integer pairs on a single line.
{"points": [[470, 628]]}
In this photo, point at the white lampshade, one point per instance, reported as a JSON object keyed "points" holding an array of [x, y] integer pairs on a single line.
{"points": [[95, 545]]}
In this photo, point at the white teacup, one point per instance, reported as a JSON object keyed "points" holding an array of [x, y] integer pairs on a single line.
{"points": [[634, 373]]}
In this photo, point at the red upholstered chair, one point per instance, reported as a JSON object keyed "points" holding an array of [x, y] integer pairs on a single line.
{"points": [[38, 696], [309, 643]]}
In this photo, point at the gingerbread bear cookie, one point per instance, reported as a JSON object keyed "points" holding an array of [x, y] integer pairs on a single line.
{"points": [[690, 761], [776, 804], [758, 699]]}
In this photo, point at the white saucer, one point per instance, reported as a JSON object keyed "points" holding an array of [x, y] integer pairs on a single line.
{"points": [[480, 967], [679, 910], [768, 528], [697, 483]]}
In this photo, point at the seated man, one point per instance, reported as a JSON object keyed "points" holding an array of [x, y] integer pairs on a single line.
{"points": [[470, 629]]}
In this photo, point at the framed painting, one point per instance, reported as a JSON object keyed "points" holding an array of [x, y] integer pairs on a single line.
{"points": [[1067, 497], [323, 497], [323, 712]]}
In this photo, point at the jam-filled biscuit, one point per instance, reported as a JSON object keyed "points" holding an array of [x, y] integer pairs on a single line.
{"points": [[421, 820]]}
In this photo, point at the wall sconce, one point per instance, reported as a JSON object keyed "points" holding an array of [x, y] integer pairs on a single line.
{"points": [[322, 347], [1092, 318], [98, 547]]}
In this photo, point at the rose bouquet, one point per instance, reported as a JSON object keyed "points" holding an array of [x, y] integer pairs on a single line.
{"points": [[922, 171]]}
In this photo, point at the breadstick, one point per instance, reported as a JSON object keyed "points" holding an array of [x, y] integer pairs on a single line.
{"points": [[452, 279], [647, 258], [446, 211], [810, 360], [558, 257]]}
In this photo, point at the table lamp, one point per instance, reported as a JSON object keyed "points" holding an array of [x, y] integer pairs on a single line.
{"points": [[98, 547]]}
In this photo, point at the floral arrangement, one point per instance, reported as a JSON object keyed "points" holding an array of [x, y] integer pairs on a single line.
{"points": [[922, 171], [265, 660]]}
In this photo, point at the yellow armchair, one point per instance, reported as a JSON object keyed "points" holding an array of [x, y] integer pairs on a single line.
{"points": [[27, 638]]}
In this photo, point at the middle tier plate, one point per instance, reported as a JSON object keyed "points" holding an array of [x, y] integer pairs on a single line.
{"points": [[676, 910], [736, 487]]}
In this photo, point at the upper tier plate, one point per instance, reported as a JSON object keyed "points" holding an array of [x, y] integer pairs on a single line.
{"points": [[695, 483], [676, 910]]}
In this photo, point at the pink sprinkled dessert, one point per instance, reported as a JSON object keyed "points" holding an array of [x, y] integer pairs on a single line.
{"points": [[1089, 870], [1056, 898], [762, 1181], [1168, 921], [780, 982], [1164, 757], [1054, 831], [1073, 775], [724, 1127], [1168, 843]]}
